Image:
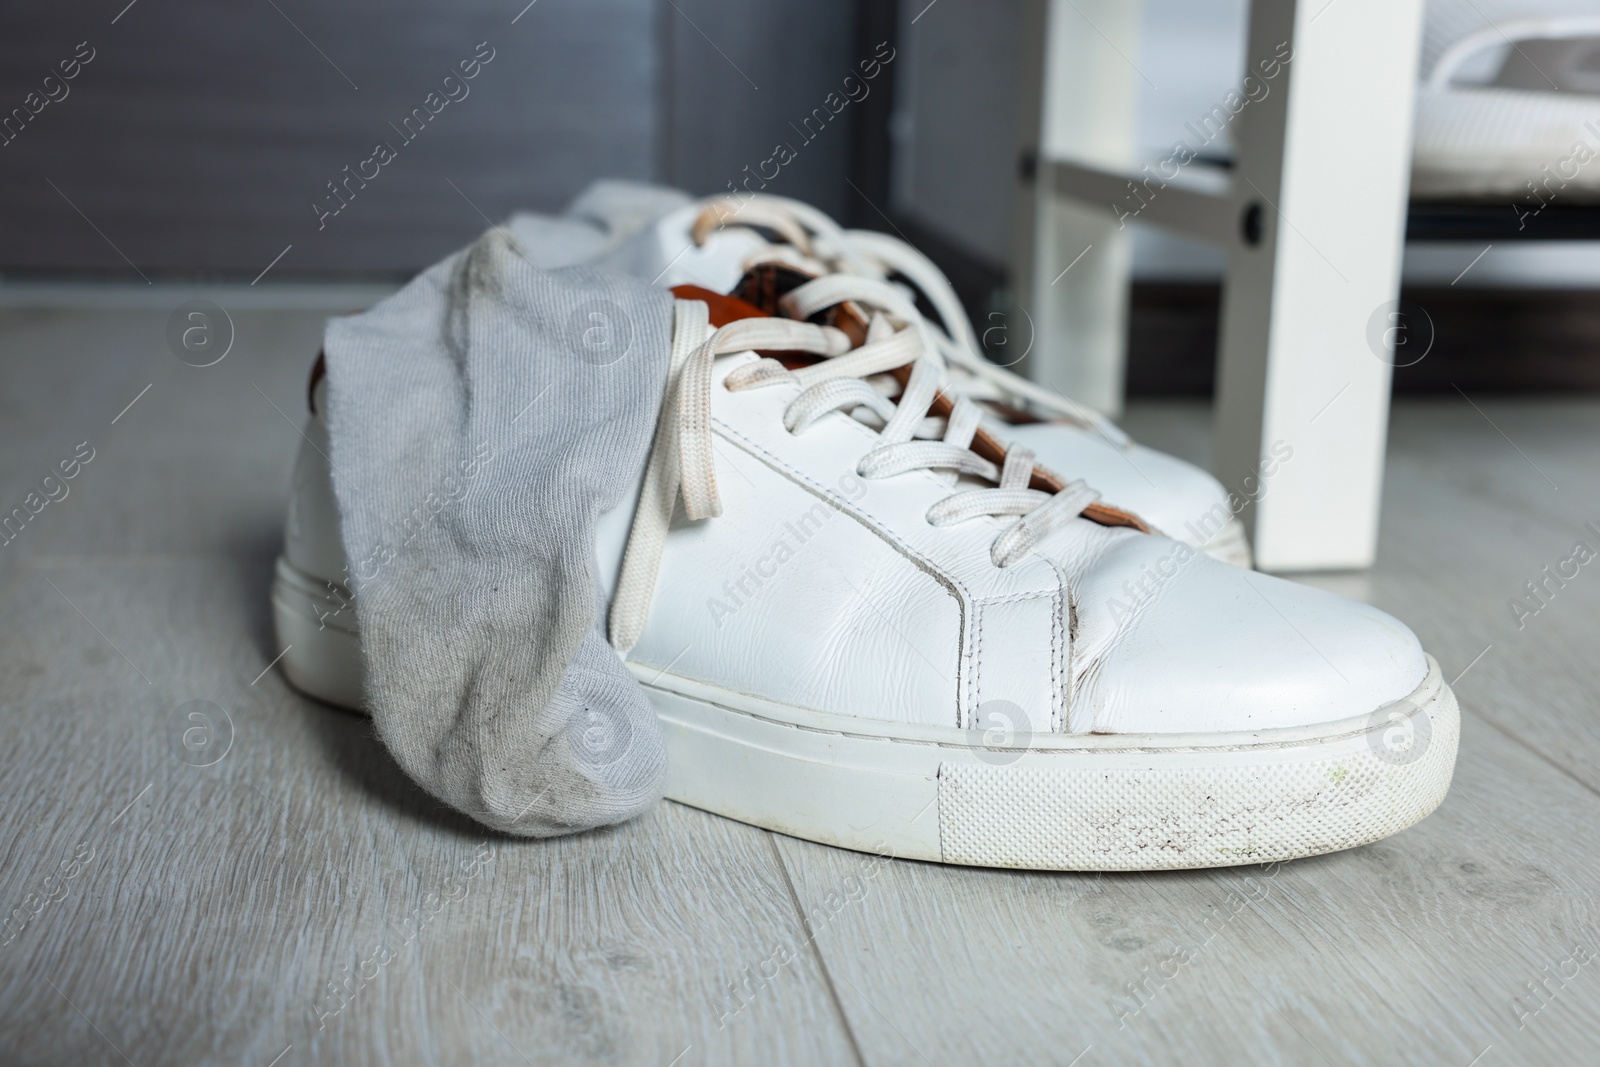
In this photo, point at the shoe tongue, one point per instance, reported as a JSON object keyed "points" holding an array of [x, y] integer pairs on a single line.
{"points": [[725, 309], [766, 284]]}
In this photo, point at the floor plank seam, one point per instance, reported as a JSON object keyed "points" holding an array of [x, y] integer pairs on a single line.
{"points": [[1480, 716], [816, 949]]}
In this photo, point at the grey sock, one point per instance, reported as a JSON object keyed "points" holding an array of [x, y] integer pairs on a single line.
{"points": [[549, 242], [480, 420], [622, 208], [602, 220]]}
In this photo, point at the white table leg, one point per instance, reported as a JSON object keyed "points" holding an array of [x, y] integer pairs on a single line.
{"points": [[1070, 262], [1326, 155]]}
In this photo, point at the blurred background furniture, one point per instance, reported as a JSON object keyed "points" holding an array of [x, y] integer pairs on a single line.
{"points": [[210, 169], [1310, 211]]}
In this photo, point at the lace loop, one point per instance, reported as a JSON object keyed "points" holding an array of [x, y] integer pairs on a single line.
{"points": [[682, 462]]}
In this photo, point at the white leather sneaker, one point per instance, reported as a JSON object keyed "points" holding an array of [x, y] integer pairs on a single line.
{"points": [[870, 624], [716, 242]]}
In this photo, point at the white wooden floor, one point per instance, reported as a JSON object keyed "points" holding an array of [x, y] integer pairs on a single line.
{"points": [[165, 912]]}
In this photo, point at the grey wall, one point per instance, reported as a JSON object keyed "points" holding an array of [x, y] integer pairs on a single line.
{"points": [[957, 114], [733, 102], [956, 121], [200, 135]]}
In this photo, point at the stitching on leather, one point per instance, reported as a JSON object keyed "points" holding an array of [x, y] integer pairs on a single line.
{"points": [[980, 613], [1424, 700], [1069, 654], [1055, 662], [1060, 650], [969, 657], [868, 519], [974, 687], [1011, 598], [957, 590]]}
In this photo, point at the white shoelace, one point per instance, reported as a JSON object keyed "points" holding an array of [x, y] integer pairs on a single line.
{"points": [[681, 461], [820, 246]]}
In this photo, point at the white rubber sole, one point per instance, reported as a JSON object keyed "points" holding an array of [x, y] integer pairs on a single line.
{"points": [[318, 625], [1061, 802]]}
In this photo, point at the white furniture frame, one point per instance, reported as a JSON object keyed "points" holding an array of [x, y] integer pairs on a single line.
{"points": [[1320, 179]]}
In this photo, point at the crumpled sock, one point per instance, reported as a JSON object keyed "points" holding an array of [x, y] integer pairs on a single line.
{"points": [[621, 207], [605, 223], [480, 420]]}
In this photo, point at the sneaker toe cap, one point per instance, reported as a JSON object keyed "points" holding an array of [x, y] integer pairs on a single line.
{"points": [[1171, 641]]}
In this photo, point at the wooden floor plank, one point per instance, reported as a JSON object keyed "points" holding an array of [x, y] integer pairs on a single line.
{"points": [[1482, 523], [201, 462], [209, 919], [66, 374]]}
